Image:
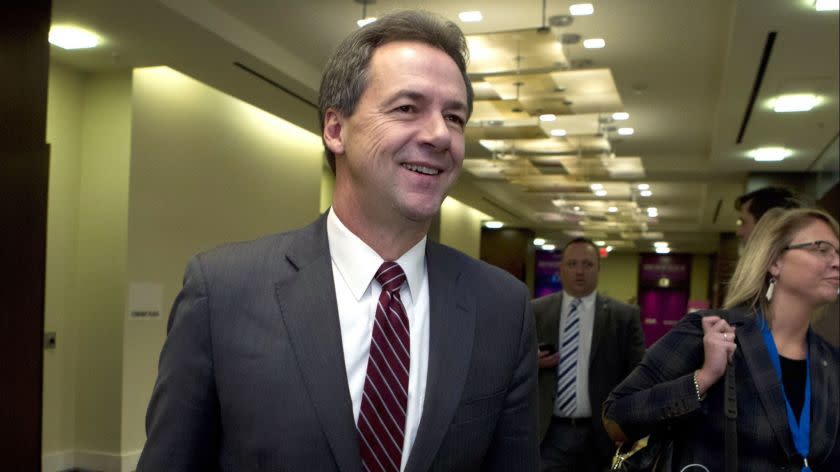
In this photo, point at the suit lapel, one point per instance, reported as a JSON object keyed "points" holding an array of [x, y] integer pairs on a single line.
{"points": [[767, 384], [451, 331], [824, 403], [600, 319], [308, 308]]}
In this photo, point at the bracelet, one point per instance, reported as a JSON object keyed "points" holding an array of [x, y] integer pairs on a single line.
{"points": [[697, 387]]}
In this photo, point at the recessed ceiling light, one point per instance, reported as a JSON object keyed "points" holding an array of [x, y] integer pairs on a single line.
{"points": [[601, 193], [548, 117], [795, 102], [558, 132], [577, 208], [493, 224], [827, 5], [660, 244], [539, 241], [663, 250], [581, 9], [645, 193], [626, 131], [609, 249], [470, 16], [643, 186], [594, 43], [770, 154], [365, 21], [597, 186], [72, 37], [548, 247], [620, 116], [612, 209], [600, 243]]}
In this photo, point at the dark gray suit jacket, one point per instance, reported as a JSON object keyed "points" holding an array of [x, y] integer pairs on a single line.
{"points": [[252, 374], [660, 392], [618, 344]]}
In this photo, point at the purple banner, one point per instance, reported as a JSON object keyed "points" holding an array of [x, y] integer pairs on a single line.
{"points": [[547, 273]]}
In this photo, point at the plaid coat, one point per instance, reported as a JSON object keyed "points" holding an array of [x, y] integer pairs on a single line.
{"points": [[660, 392]]}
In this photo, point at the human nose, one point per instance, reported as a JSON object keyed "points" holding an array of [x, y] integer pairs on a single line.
{"points": [[435, 132]]}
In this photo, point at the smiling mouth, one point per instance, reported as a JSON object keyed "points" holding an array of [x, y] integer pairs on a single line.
{"points": [[421, 169]]}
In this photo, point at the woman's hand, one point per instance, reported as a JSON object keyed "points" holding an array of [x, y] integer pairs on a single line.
{"points": [[718, 349]]}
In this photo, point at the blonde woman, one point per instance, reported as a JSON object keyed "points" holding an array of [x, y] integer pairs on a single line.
{"points": [[787, 376]]}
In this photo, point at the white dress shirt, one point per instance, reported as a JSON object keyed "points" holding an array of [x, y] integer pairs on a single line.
{"points": [[354, 265], [587, 321]]}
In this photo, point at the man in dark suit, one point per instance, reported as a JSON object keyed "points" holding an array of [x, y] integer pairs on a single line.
{"points": [[589, 343], [355, 344]]}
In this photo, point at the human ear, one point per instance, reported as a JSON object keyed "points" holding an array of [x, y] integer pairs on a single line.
{"points": [[333, 125]]}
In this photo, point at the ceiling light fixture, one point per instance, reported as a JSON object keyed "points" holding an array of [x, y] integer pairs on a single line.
{"points": [[643, 186], [594, 43], [601, 193], [539, 241], [470, 16], [365, 20], [663, 250], [597, 186], [660, 244], [548, 117], [72, 37], [548, 247], [795, 103], [576, 208], [626, 131], [612, 209], [827, 5], [581, 9], [610, 249], [770, 154], [600, 243], [645, 193], [620, 116], [493, 224], [558, 132]]}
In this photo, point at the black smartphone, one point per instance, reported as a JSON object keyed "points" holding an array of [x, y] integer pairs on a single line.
{"points": [[551, 348]]}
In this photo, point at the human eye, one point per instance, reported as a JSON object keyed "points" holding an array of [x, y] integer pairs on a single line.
{"points": [[457, 119], [405, 108], [823, 248]]}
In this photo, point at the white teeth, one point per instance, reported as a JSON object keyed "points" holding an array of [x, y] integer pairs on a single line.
{"points": [[421, 169]]}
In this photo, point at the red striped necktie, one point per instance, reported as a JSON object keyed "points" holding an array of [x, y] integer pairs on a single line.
{"points": [[381, 423]]}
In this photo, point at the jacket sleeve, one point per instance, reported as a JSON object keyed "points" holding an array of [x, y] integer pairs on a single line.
{"points": [[515, 445], [661, 387], [182, 422]]}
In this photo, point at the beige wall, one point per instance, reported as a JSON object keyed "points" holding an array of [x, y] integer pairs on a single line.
{"points": [[700, 266], [205, 169], [64, 134], [619, 277], [460, 226]]}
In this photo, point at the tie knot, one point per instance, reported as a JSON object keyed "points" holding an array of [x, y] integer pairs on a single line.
{"points": [[390, 275], [576, 303]]}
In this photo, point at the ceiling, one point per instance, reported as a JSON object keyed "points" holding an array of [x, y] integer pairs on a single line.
{"points": [[686, 71]]}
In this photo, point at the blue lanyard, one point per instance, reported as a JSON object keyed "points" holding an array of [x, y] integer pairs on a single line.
{"points": [[801, 430]]}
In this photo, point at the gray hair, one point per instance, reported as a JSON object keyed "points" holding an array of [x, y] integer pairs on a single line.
{"points": [[346, 74]]}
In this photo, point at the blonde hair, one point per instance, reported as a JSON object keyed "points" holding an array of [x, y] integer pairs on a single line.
{"points": [[770, 238]]}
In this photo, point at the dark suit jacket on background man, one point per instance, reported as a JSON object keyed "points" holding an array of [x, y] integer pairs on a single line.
{"points": [[617, 347]]}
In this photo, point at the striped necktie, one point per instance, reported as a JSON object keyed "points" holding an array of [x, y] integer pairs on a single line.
{"points": [[381, 422], [566, 400]]}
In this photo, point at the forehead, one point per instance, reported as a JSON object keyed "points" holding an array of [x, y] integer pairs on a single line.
{"points": [[816, 229], [415, 58], [580, 251]]}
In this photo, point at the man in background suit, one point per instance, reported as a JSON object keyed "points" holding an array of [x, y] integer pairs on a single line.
{"points": [[354, 343], [598, 341]]}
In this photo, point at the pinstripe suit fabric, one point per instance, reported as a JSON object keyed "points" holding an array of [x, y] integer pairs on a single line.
{"points": [[660, 393]]}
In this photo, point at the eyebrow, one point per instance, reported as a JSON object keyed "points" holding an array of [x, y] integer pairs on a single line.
{"points": [[456, 105]]}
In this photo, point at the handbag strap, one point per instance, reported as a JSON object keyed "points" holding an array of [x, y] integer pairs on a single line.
{"points": [[731, 415]]}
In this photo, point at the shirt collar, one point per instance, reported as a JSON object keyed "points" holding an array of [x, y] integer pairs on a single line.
{"points": [[585, 302], [357, 262]]}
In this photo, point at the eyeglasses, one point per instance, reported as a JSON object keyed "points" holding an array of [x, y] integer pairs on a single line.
{"points": [[823, 249]]}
